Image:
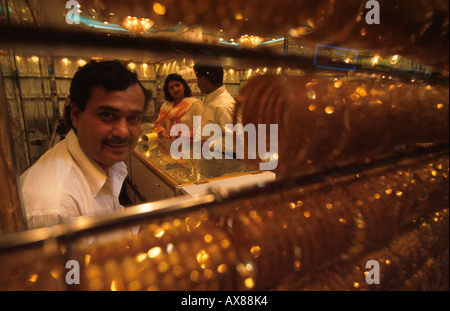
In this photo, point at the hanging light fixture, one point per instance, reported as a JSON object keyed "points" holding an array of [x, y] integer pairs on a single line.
{"points": [[137, 26], [250, 41]]}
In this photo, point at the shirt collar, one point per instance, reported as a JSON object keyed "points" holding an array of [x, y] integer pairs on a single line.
{"points": [[211, 96], [95, 174]]}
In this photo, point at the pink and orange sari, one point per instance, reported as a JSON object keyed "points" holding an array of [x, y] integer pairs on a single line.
{"points": [[174, 116]]}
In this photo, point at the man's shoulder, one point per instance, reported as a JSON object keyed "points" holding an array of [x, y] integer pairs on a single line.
{"points": [[224, 99], [55, 163]]}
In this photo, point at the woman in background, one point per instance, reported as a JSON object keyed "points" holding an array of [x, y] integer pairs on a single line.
{"points": [[179, 107]]}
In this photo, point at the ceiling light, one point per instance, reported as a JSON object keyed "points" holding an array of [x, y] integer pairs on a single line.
{"points": [[394, 59], [250, 41], [137, 26], [375, 60]]}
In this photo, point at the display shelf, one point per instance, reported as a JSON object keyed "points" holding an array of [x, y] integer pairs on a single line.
{"points": [[271, 228], [28, 92], [192, 203]]}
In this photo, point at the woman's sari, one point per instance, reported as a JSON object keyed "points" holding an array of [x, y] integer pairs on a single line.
{"points": [[173, 115]]}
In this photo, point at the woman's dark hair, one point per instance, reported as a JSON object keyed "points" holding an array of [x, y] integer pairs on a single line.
{"points": [[175, 77], [112, 75], [212, 72]]}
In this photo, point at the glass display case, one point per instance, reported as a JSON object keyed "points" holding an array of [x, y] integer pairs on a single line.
{"points": [[154, 174]]}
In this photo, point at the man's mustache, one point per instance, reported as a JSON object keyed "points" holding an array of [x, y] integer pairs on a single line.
{"points": [[117, 141]]}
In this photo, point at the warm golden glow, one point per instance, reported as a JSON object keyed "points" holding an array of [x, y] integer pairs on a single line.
{"points": [[202, 256], [134, 286], [177, 270], [329, 110], [338, 84], [55, 273], [81, 62], [299, 31], [194, 276], [87, 260], [159, 8], [33, 278], [225, 243], [394, 59], [137, 26], [154, 252], [208, 238], [311, 94], [114, 285], [255, 250], [249, 283], [375, 59], [208, 274], [312, 107], [222, 268], [159, 232], [250, 41], [354, 96], [141, 257], [163, 266], [361, 92]]}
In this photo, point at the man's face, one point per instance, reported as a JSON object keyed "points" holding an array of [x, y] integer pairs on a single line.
{"points": [[108, 128], [201, 84]]}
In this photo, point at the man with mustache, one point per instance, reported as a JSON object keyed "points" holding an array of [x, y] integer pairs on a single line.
{"points": [[83, 174]]}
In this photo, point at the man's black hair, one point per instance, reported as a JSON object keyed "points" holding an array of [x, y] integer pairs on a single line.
{"points": [[212, 72]]}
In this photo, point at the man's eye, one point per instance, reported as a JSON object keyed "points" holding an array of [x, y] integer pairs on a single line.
{"points": [[134, 118], [106, 116]]}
